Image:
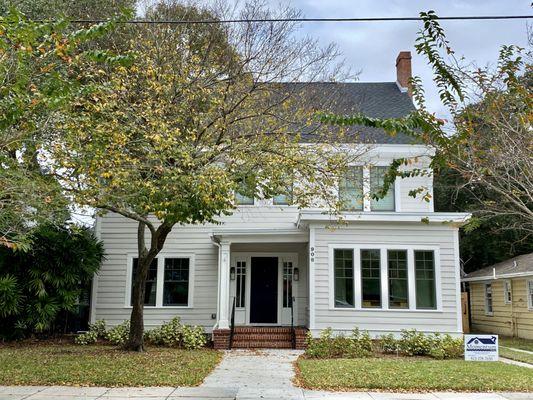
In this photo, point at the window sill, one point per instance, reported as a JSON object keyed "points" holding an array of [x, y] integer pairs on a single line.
{"points": [[403, 310], [161, 307], [489, 314]]}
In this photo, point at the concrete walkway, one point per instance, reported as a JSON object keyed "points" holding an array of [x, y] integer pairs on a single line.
{"points": [[242, 375]]}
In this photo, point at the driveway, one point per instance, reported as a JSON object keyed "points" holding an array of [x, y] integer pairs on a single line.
{"points": [[242, 375]]}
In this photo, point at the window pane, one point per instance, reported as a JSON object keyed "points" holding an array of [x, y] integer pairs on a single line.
{"points": [[241, 284], [176, 284], [488, 298], [398, 286], [351, 189], [241, 198], [371, 278], [287, 284], [425, 280], [343, 271], [377, 177], [151, 282], [283, 199]]}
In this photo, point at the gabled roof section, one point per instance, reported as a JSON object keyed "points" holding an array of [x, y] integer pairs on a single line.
{"points": [[514, 267], [374, 99]]}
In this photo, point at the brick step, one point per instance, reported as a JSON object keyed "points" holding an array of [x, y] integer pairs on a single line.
{"points": [[262, 336], [262, 329], [262, 345]]}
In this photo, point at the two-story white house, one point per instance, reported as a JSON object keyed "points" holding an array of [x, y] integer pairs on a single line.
{"points": [[392, 264]]}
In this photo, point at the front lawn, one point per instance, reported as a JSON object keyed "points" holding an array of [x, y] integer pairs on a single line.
{"points": [[103, 365], [516, 355], [412, 374]]}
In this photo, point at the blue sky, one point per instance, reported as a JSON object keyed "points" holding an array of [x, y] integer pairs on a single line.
{"points": [[372, 47]]}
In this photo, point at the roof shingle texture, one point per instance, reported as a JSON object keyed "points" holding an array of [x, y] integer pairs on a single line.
{"points": [[374, 99], [521, 264]]}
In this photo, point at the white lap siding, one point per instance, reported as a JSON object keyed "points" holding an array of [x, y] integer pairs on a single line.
{"points": [[119, 235], [392, 236]]}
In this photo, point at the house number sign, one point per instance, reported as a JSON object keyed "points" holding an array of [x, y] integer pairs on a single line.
{"points": [[312, 254]]}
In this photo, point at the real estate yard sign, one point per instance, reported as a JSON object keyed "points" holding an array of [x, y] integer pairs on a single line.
{"points": [[481, 347]]}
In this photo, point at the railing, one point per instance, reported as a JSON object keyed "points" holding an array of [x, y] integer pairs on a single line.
{"points": [[293, 331], [232, 326]]}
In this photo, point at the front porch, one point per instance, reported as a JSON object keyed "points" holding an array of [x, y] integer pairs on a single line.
{"points": [[263, 289]]}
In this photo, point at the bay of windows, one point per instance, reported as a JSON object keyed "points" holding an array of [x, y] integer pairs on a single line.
{"points": [[393, 279]]}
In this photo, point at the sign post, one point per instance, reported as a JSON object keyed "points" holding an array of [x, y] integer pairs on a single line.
{"points": [[481, 347]]}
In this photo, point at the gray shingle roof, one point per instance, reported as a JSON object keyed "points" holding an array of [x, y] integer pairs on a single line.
{"points": [[374, 99], [518, 265]]}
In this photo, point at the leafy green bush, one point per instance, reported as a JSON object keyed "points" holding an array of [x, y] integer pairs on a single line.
{"points": [[414, 343], [389, 344], [193, 337], [329, 346], [446, 347], [174, 334], [119, 334], [96, 331]]}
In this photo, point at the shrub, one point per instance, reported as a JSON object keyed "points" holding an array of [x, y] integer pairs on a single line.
{"points": [[169, 334], [415, 343], [96, 331], [445, 347], [389, 344], [119, 334], [193, 337], [329, 346]]}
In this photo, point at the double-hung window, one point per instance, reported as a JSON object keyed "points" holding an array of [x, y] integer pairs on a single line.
{"points": [[488, 299], [530, 294], [426, 296], [344, 281], [176, 284], [241, 194], [507, 292], [351, 189], [377, 179], [370, 278], [398, 284], [283, 199], [150, 288]]}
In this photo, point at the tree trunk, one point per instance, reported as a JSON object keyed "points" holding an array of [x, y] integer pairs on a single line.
{"points": [[145, 258]]}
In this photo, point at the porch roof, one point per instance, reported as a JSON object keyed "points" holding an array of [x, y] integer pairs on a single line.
{"points": [[318, 215], [260, 235]]}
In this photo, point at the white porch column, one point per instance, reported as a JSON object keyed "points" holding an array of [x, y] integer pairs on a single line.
{"points": [[223, 286]]}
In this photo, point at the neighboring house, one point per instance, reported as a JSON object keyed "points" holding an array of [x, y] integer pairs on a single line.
{"points": [[501, 298], [393, 264]]}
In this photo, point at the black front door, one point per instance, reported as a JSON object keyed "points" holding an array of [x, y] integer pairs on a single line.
{"points": [[264, 290]]}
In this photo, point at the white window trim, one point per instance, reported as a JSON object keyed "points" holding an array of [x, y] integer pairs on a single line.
{"points": [[384, 277], [529, 300], [507, 290], [366, 186], [487, 312], [160, 280]]}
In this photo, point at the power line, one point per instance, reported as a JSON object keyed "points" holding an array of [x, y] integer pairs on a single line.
{"points": [[363, 19]]}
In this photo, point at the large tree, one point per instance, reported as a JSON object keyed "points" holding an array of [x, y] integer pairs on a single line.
{"points": [[41, 71], [487, 141], [200, 114]]}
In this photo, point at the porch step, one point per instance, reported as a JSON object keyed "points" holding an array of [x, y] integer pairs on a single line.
{"points": [[262, 344], [267, 337]]}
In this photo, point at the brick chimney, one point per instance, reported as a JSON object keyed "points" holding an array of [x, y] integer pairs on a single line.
{"points": [[403, 71]]}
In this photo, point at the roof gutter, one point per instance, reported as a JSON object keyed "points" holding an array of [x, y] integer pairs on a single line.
{"points": [[495, 277]]}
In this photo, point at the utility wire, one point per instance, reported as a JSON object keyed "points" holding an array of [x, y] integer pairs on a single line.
{"points": [[364, 19]]}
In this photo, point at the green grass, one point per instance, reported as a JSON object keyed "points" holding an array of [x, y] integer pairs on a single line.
{"points": [[516, 355], [404, 374], [517, 343], [101, 365]]}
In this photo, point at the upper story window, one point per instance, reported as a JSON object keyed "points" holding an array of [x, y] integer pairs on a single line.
{"points": [[241, 198], [283, 199], [351, 189], [377, 178]]}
